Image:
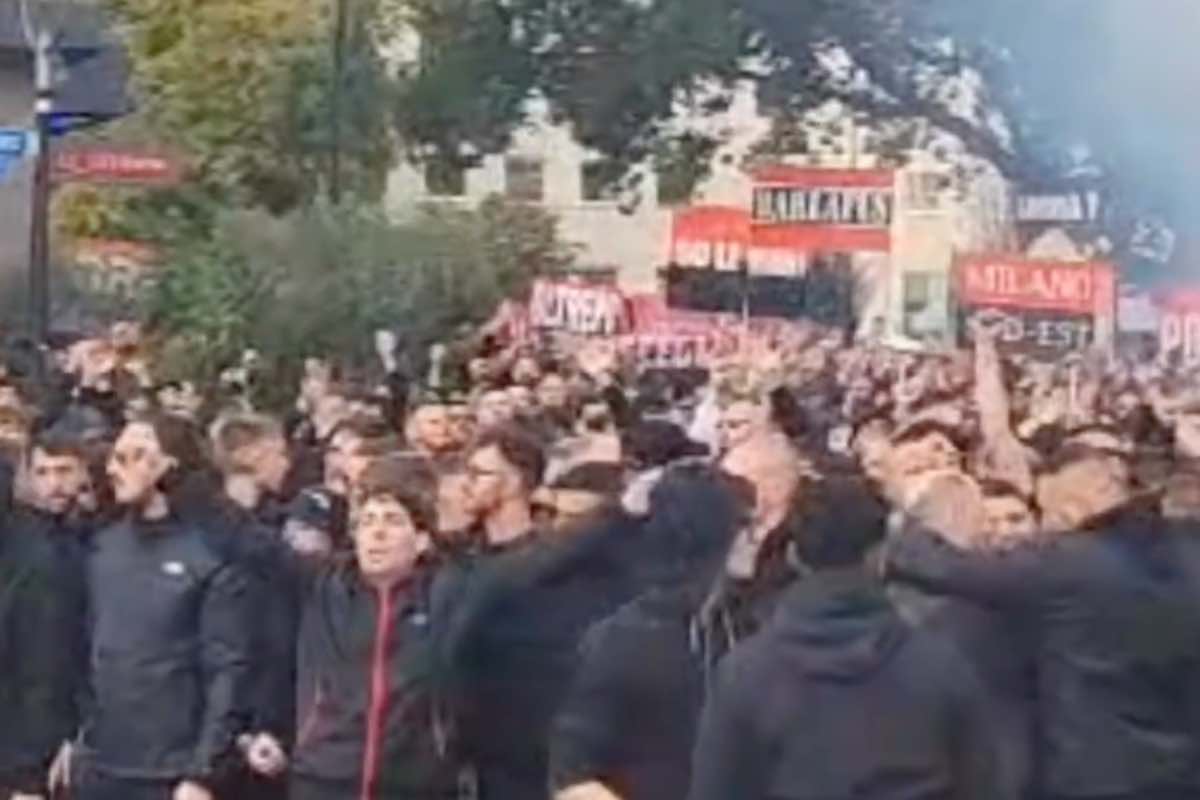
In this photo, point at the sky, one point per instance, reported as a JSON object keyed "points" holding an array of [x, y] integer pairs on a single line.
{"points": [[1122, 76]]}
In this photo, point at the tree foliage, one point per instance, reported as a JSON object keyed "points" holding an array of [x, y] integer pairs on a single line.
{"points": [[242, 88], [618, 71], [321, 280], [614, 71]]}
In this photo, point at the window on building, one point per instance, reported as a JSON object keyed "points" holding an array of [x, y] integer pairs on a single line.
{"points": [[445, 179], [924, 303], [524, 179], [600, 180]]}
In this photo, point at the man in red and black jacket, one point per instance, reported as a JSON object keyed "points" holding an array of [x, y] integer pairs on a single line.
{"points": [[368, 721]]}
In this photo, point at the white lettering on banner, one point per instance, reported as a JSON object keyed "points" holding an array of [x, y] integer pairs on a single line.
{"points": [[726, 256], [1070, 286], [863, 207], [671, 352], [1035, 332], [1071, 207], [776, 261], [585, 310], [1180, 335]]}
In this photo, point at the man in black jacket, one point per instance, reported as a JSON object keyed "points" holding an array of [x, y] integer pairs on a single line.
{"points": [[838, 698], [492, 640], [168, 640], [251, 453], [41, 627], [627, 725], [43, 645], [1109, 604]]}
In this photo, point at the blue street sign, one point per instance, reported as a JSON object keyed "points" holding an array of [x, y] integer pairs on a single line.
{"points": [[14, 143], [62, 124]]}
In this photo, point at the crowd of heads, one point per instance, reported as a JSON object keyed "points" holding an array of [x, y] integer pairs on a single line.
{"points": [[998, 449]]}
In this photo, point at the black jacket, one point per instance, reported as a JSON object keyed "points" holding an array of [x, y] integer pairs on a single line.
{"points": [[169, 652], [1116, 634], [41, 644], [272, 615], [518, 616], [629, 720], [839, 698], [369, 716]]}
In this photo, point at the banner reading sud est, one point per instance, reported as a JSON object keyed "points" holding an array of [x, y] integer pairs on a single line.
{"points": [[1036, 306]]}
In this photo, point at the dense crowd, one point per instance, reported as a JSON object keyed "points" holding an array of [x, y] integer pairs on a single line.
{"points": [[814, 569]]}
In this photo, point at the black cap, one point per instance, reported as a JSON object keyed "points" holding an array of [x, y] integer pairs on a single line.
{"points": [[320, 509]]}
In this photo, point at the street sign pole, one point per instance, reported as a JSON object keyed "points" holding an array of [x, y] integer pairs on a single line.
{"points": [[39, 238]]}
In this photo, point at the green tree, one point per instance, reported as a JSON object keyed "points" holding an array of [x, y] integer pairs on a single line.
{"points": [[321, 280], [242, 88]]}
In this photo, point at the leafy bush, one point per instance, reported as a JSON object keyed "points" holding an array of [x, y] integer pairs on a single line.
{"points": [[320, 281]]}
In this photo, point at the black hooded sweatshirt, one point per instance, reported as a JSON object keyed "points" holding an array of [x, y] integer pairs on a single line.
{"points": [[629, 720], [838, 698]]}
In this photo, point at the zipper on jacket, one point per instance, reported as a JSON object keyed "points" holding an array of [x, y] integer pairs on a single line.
{"points": [[377, 704]]}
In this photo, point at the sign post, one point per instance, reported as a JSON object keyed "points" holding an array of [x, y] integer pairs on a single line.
{"points": [[39, 235]]}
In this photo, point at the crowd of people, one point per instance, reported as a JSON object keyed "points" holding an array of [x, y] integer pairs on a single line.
{"points": [[815, 569]]}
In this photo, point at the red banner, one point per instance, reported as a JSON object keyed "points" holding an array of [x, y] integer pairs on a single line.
{"points": [[710, 236], [1014, 282], [108, 165], [823, 210]]}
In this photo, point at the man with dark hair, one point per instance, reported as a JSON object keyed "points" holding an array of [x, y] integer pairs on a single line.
{"points": [[58, 472], [1109, 603], [580, 495], [167, 633], [1009, 519], [505, 466], [490, 627], [42, 612], [627, 724], [860, 705], [369, 720]]}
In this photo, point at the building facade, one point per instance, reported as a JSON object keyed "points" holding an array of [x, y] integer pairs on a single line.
{"points": [[938, 212]]}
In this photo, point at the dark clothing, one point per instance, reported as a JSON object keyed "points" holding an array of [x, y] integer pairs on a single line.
{"points": [[94, 785], [309, 789], [629, 720], [369, 718], [272, 615], [169, 652], [742, 607], [518, 617], [839, 698], [1117, 648], [1001, 649], [246, 785], [41, 649]]}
